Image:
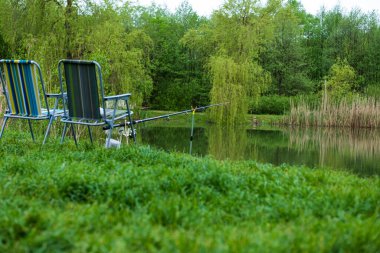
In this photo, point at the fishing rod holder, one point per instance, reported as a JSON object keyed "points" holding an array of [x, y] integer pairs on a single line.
{"points": [[127, 132], [123, 130]]}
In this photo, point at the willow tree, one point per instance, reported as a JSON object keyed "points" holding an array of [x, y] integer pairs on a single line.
{"points": [[33, 29], [237, 32], [236, 83], [122, 50]]}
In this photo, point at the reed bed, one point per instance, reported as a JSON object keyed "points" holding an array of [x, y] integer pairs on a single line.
{"points": [[358, 113]]}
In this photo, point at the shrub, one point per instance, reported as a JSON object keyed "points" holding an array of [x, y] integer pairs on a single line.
{"points": [[270, 105], [280, 105]]}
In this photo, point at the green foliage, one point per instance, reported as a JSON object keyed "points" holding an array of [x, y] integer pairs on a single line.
{"points": [[47, 31], [3, 47], [270, 105], [234, 83], [373, 91], [281, 105], [164, 59], [36, 33], [236, 75], [341, 81], [58, 199], [284, 56], [337, 34], [124, 56], [178, 74]]}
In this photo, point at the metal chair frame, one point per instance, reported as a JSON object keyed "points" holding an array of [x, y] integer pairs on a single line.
{"points": [[50, 115], [108, 117]]}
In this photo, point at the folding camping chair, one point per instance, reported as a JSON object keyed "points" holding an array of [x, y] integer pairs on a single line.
{"points": [[86, 103], [25, 94]]}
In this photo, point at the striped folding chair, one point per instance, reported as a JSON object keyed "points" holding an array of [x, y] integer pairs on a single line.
{"points": [[85, 102], [25, 94]]}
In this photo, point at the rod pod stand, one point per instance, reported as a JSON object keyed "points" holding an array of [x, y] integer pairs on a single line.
{"points": [[192, 129]]}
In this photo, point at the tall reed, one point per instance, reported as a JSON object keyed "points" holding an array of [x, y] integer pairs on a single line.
{"points": [[359, 112]]}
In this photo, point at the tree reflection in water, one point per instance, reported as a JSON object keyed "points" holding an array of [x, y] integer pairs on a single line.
{"points": [[227, 142], [353, 150]]}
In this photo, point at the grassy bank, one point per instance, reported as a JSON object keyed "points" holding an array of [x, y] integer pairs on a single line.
{"points": [[201, 119], [59, 198]]}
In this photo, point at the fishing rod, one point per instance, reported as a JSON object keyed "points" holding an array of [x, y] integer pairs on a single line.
{"points": [[130, 132], [166, 116]]}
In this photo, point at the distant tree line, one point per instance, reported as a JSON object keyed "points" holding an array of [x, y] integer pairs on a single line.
{"points": [[175, 60]]}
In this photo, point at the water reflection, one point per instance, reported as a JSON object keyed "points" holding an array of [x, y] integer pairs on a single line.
{"points": [[355, 150], [227, 143], [358, 149]]}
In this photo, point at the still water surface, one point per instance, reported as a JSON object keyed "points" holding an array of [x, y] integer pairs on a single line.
{"points": [[357, 151]]}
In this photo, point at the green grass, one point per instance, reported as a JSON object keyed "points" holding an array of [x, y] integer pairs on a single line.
{"points": [[58, 198]]}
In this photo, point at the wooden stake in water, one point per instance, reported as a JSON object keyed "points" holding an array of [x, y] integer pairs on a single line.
{"points": [[192, 130]]}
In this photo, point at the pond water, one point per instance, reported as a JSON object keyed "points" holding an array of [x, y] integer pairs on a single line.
{"points": [[355, 150]]}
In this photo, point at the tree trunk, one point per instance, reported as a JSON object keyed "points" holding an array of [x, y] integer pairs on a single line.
{"points": [[68, 29]]}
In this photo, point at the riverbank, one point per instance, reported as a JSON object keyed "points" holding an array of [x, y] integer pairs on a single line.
{"points": [[201, 119], [59, 198]]}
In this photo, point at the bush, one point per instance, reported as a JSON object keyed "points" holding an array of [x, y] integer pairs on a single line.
{"points": [[280, 104], [270, 105]]}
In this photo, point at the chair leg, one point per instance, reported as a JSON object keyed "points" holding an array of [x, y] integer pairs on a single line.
{"points": [[90, 133], [48, 129], [112, 121], [74, 136], [131, 123], [64, 133], [3, 127], [109, 138], [31, 129]]}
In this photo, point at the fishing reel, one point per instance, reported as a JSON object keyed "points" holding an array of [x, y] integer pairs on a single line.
{"points": [[127, 132]]}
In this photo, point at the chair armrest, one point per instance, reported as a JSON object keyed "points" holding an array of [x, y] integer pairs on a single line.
{"points": [[55, 95], [117, 97]]}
